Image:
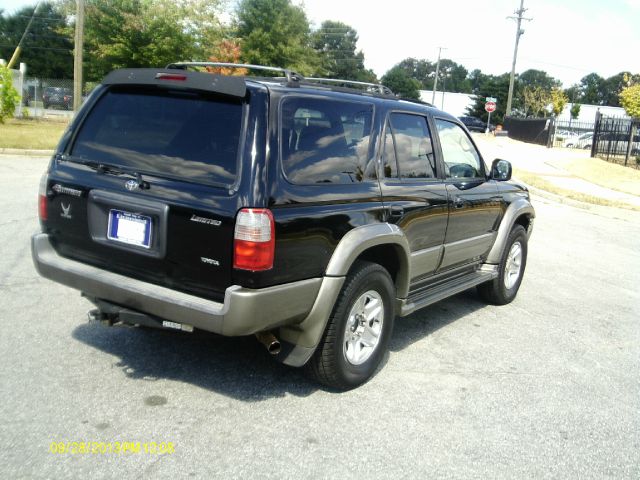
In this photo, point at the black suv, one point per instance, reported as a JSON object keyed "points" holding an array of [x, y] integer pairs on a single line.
{"points": [[298, 210]]}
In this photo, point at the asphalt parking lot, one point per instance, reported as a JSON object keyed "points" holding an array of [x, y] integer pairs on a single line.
{"points": [[548, 386]]}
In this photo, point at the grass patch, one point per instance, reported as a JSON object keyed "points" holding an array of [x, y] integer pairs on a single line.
{"points": [[605, 174], [31, 134], [539, 182]]}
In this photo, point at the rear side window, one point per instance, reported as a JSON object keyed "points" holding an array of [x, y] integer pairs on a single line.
{"points": [[184, 135], [325, 141]]}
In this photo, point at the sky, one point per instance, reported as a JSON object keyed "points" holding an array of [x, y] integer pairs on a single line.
{"points": [[566, 38]]}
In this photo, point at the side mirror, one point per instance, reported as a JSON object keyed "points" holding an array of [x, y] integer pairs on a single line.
{"points": [[501, 170]]}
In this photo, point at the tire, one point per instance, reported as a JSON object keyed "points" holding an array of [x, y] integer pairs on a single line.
{"points": [[504, 289], [343, 360]]}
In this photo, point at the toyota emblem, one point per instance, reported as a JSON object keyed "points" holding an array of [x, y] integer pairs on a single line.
{"points": [[131, 185]]}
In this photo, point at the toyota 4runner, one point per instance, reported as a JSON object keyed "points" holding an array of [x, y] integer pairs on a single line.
{"points": [[308, 212]]}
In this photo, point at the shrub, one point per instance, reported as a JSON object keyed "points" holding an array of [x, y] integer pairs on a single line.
{"points": [[8, 95]]}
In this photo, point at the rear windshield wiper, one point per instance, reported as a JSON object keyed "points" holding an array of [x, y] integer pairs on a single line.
{"points": [[105, 168]]}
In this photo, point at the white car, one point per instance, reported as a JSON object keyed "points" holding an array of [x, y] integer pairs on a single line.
{"points": [[579, 141]]}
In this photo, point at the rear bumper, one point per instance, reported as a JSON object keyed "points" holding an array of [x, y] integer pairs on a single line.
{"points": [[243, 312]]}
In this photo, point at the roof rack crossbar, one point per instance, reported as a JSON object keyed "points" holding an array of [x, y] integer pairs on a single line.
{"points": [[289, 74], [381, 88]]}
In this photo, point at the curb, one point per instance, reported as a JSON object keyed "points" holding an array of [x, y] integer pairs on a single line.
{"points": [[619, 213], [27, 152]]}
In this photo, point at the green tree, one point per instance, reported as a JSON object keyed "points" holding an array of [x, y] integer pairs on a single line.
{"points": [[537, 78], [418, 69], [592, 87], [336, 43], [535, 100], [575, 111], [476, 79], [145, 33], [534, 92], [47, 49], [452, 76], [630, 100], [276, 33], [399, 81], [496, 86], [558, 100], [573, 93], [8, 96]]}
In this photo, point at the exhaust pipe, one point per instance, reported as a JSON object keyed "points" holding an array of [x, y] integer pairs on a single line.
{"points": [[270, 342], [99, 316]]}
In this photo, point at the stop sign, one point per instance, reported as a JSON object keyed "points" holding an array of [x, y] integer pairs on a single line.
{"points": [[490, 107]]}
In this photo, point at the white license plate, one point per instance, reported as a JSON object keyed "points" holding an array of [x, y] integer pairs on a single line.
{"points": [[129, 228]]}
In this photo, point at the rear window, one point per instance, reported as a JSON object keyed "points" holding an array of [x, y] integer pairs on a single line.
{"points": [[325, 141], [184, 135]]}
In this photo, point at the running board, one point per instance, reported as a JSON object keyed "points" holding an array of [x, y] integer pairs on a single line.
{"points": [[445, 290]]}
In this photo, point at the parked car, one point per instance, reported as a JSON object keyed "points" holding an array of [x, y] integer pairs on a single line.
{"points": [[309, 215], [580, 141], [474, 124], [57, 96]]}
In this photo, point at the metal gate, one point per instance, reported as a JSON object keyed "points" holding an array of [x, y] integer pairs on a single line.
{"points": [[617, 140]]}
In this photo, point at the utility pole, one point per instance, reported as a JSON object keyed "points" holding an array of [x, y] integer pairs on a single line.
{"points": [[16, 53], [77, 56], [519, 32], [435, 80]]}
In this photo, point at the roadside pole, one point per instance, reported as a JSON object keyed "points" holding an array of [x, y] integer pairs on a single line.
{"points": [[489, 106], [77, 56]]}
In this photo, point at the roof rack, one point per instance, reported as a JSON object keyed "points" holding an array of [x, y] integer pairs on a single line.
{"points": [[289, 74], [293, 78], [380, 88]]}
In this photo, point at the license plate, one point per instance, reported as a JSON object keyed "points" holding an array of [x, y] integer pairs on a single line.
{"points": [[129, 228]]}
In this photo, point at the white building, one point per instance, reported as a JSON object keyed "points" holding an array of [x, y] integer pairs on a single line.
{"points": [[453, 103]]}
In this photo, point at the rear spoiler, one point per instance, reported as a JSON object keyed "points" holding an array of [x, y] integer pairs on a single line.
{"points": [[172, 78]]}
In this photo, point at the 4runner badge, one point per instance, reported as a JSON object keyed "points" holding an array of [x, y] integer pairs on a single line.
{"points": [[66, 190], [66, 211], [206, 221], [131, 185]]}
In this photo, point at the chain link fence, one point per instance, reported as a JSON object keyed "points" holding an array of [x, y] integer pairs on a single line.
{"points": [[47, 97]]}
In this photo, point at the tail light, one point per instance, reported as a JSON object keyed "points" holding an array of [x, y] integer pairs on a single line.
{"points": [[42, 199], [254, 240]]}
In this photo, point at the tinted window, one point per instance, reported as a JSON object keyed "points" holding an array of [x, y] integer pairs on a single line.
{"points": [[325, 141], [413, 148], [180, 134], [460, 156]]}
